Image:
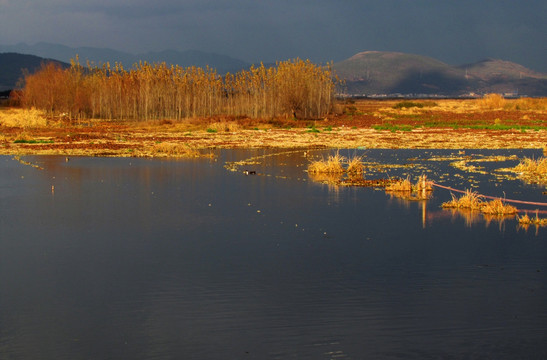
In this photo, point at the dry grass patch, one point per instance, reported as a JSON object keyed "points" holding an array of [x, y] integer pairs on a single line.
{"points": [[225, 126], [24, 118], [174, 150], [332, 165], [492, 101]]}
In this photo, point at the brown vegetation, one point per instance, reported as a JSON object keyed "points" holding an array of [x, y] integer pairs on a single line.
{"points": [[157, 91]]}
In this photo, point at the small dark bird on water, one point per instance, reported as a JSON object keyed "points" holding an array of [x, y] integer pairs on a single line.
{"points": [[249, 172]]}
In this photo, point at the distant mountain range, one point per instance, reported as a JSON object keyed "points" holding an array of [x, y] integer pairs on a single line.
{"points": [[367, 73], [379, 73], [13, 65], [221, 63]]}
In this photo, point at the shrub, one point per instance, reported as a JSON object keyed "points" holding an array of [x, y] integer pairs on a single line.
{"points": [[492, 101], [407, 104]]}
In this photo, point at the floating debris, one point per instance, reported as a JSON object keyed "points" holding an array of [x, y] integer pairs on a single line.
{"points": [[380, 183], [27, 163]]}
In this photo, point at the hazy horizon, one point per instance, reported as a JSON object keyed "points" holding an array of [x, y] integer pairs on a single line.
{"points": [[320, 30]]}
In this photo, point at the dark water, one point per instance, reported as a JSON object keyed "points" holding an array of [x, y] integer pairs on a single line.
{"points": [[183, 259]]}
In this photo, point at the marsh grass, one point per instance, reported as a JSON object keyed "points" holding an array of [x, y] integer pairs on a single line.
{"points": [[470, 200], [23, 118], [406, 185], [332, 165], [404, 188], [498, 207], [473, 201], [224, 126], [173, 150], [355, 165], [403, 185], [533, 170]]}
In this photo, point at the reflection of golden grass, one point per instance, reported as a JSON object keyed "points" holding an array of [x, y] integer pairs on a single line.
{"points": [[328, 178], [25, 118], [470, 217], [526, 220]]}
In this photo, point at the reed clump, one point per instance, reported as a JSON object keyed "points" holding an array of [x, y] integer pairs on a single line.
{"points": [[534, 170], [470, 200], [338, 164], [406, 185], [498, 207], [473, 201], [355, 165], [331, 165], [403, 185], [404, 188]]}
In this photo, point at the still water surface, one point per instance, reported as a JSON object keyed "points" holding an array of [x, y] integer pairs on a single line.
{"points": [[183, 259]]}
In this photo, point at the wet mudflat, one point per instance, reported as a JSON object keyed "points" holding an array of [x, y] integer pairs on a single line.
{"points": [[154, 259]]}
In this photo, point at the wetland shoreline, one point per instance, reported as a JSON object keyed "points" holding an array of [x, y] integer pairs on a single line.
{"points": [[373, 124]]}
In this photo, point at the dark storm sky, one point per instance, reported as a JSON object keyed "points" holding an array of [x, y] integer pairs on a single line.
{"points": [[455, 32]]}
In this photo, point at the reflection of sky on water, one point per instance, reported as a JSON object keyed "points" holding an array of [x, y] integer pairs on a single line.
{"points": [[137, 258]]}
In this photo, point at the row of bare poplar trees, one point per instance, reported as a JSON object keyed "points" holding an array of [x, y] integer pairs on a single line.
{"points": [[157, 91]]}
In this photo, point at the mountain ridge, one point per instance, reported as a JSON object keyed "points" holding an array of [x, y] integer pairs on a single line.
{"points": [[366, 73], [380, 72], [13, 66], [222, 63]]}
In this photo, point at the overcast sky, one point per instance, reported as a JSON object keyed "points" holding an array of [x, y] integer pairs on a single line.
{"points": [[456, 32]]}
